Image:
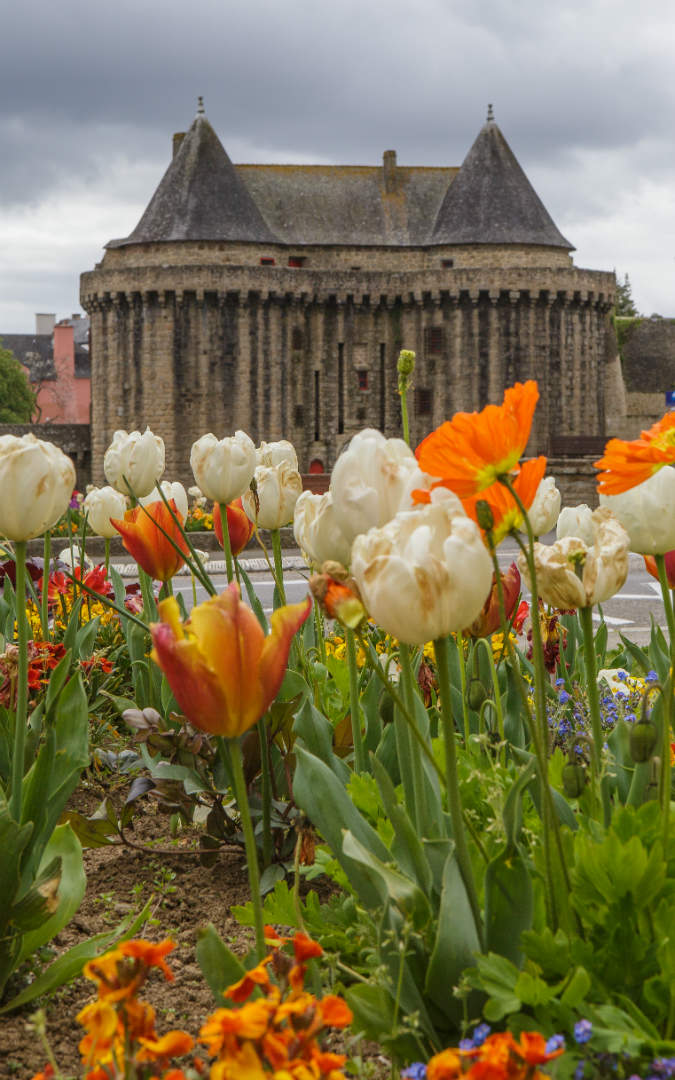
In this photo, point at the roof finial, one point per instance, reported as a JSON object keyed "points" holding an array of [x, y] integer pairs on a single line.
{"points": [[200, 106], [490, 115]]}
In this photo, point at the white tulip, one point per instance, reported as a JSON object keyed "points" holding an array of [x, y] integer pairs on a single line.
{"points": [[223, 468], [134, 460], [102, 504], [173, 491], [73, 560], [576, 521], [274, 453], [545, 508], [317, 532], [36, 484], [372, 480], [424, 574], [278, 488], [647, 513], [572, 575]]}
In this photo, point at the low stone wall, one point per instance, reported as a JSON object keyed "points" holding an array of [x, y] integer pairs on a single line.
{"points": [[73, 439], [576, 479]]}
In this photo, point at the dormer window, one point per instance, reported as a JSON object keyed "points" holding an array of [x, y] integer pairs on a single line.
{"points": [[296, 260], [447, 264], [267, 260]]}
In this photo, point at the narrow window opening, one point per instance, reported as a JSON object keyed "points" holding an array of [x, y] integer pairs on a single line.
{"points": [[296, 260], [363, 380], [267, 260], [383, 370], [316, 407], [423, 401], [447, 264], [433, 340], [341, 388], [297, 339]]}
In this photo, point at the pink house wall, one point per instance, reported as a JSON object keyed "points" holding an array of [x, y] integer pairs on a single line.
{"points": [[65, 400]]}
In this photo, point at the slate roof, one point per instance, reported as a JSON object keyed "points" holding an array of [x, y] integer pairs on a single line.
{"points": [[491, 201], [348, 204], [34, 351], [200, 197], [203, 196]]}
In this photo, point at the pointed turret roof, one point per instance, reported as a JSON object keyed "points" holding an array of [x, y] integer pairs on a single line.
{"points": [[200, 197], [491, 201]]}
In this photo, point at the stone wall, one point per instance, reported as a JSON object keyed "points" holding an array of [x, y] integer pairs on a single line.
{"points": [[648, 365], [73, 439], [311, 355]]}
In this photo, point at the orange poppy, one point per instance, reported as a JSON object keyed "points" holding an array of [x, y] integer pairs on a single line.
{"points": [[471, 451], [506, 514], [147, 544], [626, 464]]}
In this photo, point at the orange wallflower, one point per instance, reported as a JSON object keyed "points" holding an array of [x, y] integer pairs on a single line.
{"points": [[223, 670], [152, 955], [147, 544], [445, 1066], [471, 451], [625, 464], [506, 515], [239, 525]]}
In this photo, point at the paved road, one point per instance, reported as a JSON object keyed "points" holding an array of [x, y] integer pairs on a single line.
{"points": [[629, 612]]}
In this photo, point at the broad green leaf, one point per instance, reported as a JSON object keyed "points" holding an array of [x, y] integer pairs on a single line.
{"points": [[375, 1015], [509, 904], [65, 846], [456, 943], [391, 884], [407, 848], [316, 732], [220, 967]]}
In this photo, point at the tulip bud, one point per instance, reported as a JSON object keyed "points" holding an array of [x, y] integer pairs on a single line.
{"points": [[545, 508], [133, 462], [385, 707], [316, 530], [476, 694], [338, 600], [574, 779], [174, 491], [484, 516], [36, 482], [274, 453], [277, 488]]}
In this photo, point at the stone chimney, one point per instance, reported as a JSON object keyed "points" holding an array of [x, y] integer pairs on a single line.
{"points": [[389, 170], [44, 323], [177, 140]]}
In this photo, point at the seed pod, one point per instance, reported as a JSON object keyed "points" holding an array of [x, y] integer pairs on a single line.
{"points": [[643, 736], [386, 707], [574, 779]]}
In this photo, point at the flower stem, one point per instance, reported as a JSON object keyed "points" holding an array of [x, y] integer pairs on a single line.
{"points": [[107, 556], [404, 416], [463, 687], [22, 683], [266, 793], [354, 703], [241, 795], [278, 564], [44, 609], [418, 778], [452, 783], [586, 620], [668, 690], [227, 546]]}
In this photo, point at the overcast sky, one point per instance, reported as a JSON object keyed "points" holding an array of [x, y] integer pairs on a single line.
{"points": [[90, 94]]}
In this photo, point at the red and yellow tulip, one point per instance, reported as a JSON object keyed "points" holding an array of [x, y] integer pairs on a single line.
{"points": [[239, 526], [142, 536], [223, 670]]}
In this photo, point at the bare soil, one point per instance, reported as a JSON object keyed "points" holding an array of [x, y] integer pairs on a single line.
{"points": [[119, 881]]}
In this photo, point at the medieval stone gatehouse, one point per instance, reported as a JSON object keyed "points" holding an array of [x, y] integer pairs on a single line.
{"points": [[276, 298]]}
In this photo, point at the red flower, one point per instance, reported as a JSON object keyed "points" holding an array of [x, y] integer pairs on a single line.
{"points": [[489, 619], [239, 525], [669, 559]]}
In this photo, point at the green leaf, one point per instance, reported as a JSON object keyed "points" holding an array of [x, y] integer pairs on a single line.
{"points": [[65, 846], [85, 639], [73, 626], [407, 848], [69, 965], [391, 884], [509, 903], [324, 799], [456, 943], [497, 977], [253, 598], [316, 732], [375, 1015], [220, 967]]}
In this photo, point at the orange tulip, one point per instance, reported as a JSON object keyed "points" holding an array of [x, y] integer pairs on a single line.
{"points": [[147, 544], [471, 451], [223, 670], [669, 559], [239, 526], [625, 464]]}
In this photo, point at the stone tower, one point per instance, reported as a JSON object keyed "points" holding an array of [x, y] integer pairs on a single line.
{"points": [[276, 298]]}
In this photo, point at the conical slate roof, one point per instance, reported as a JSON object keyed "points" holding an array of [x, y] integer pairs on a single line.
{"points": [[200, 197], [491, 201]]}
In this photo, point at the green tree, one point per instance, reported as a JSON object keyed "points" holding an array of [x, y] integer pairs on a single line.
{"points": [[624, 305], [17, 400]]}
